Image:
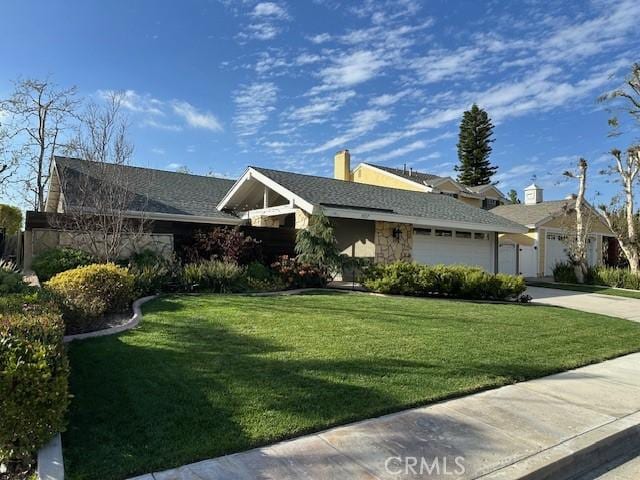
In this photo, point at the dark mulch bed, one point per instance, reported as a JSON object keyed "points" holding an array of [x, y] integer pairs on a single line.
{"points": [[102, 323]]}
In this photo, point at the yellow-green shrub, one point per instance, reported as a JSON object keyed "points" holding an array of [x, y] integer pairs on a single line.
{"points": [[33, 384], [86, 293]]}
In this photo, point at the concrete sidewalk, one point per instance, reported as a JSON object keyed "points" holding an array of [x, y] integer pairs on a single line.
{"points": [[622, 307], [498, 434]]}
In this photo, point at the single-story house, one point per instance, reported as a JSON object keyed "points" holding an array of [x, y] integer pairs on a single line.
{"points": [[536, 252], [377, 222]]}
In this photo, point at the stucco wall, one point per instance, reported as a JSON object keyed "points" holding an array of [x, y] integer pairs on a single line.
{"points": [[355, 237], [302, 219], [371, 176], [595, 224], [264, 221], [40, 240], [474, 202], [389, 249]]}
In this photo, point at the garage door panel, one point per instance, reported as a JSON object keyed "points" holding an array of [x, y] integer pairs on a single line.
{"points": [[556, 251], [466, 248]]}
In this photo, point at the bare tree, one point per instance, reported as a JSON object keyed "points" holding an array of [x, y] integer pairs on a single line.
{"points": [[8, 161], [103, 210], [620, 214], [576, 235], [40, 111]]}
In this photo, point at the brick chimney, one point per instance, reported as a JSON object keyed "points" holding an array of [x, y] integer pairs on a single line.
{"points": [[342, 165]]}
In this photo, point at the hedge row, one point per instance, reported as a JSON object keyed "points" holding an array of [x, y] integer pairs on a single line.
{"points": [[455, 281], [33, 385], [598, 275]]}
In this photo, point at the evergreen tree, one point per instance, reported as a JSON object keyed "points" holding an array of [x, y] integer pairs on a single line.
{"points": [[513, 196], [474, 148], [316, 244]]}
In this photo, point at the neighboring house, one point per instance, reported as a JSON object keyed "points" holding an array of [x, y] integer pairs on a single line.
{"points": [[535, 253], [377, 222], [482, 196]]}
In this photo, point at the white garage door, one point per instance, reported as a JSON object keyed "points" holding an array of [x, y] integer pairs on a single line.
{"points": [[434, 246], [556, 251], [507, 258]]}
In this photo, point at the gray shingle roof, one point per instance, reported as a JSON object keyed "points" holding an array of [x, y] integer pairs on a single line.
{"points": [[418, 177], [154, 191], [341, 194], [531, 214]]}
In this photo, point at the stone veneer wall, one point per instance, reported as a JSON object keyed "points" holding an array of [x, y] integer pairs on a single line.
{"points": [[264, 221], [389, 249], [302, 219]]}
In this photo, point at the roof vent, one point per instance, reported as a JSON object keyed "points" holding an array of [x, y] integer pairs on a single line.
{"points": [[571, 196]]}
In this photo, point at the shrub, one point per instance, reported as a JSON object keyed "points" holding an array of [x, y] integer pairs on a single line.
{"points": [[11, 282], [33, 385], [58, 260], [224, 244], [299, 275], [260, 278], [213, 276], [564, 273], [153, 273], [33, 301], [599, 275], [458, 281], [87, 293]]}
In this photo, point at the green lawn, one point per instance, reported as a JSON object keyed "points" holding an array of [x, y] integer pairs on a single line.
{"points": [[587, 288], [213, 374]]}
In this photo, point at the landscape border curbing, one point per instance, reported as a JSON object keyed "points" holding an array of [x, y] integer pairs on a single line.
{"points": [[131, 323], [50, 461]]}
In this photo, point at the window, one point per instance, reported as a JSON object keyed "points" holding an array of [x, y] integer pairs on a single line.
{"points": [[422, 231], [463, 234], [489, 203], [479, 236], [444, 233], [449, 194]]}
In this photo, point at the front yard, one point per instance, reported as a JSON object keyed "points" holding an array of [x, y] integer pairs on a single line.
{"points": [[214, 374]]}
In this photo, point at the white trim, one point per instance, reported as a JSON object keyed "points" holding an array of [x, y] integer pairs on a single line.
{"points": [[416, 221], [268, 212], [394, 175], [252, 174]]}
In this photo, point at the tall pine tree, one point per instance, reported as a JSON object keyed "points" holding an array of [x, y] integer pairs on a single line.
{"points": [[474, 148]]}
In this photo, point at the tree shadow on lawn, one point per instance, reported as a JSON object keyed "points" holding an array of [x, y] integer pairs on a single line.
{"points": [[179, 391], [206, 392]]}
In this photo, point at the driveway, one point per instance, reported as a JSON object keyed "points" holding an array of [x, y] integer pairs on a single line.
{"points": [[622, 307]]}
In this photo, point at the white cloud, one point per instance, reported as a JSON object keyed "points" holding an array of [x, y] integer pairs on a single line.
{"points": [[361, 123], [254, 103], [319, 107], [170, 127], [175, 166], [586, 38], [444, 64], [134, 102], [269, 9], [400, 152], [350, 69], [196, 119], [387, 99], [307, 58], [158, 151], [320, 38]]}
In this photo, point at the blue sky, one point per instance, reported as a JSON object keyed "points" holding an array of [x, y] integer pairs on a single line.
{"points": [[219, 85]]}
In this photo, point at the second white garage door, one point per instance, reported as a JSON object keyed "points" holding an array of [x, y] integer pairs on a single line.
{"points": [[432, 246]]}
